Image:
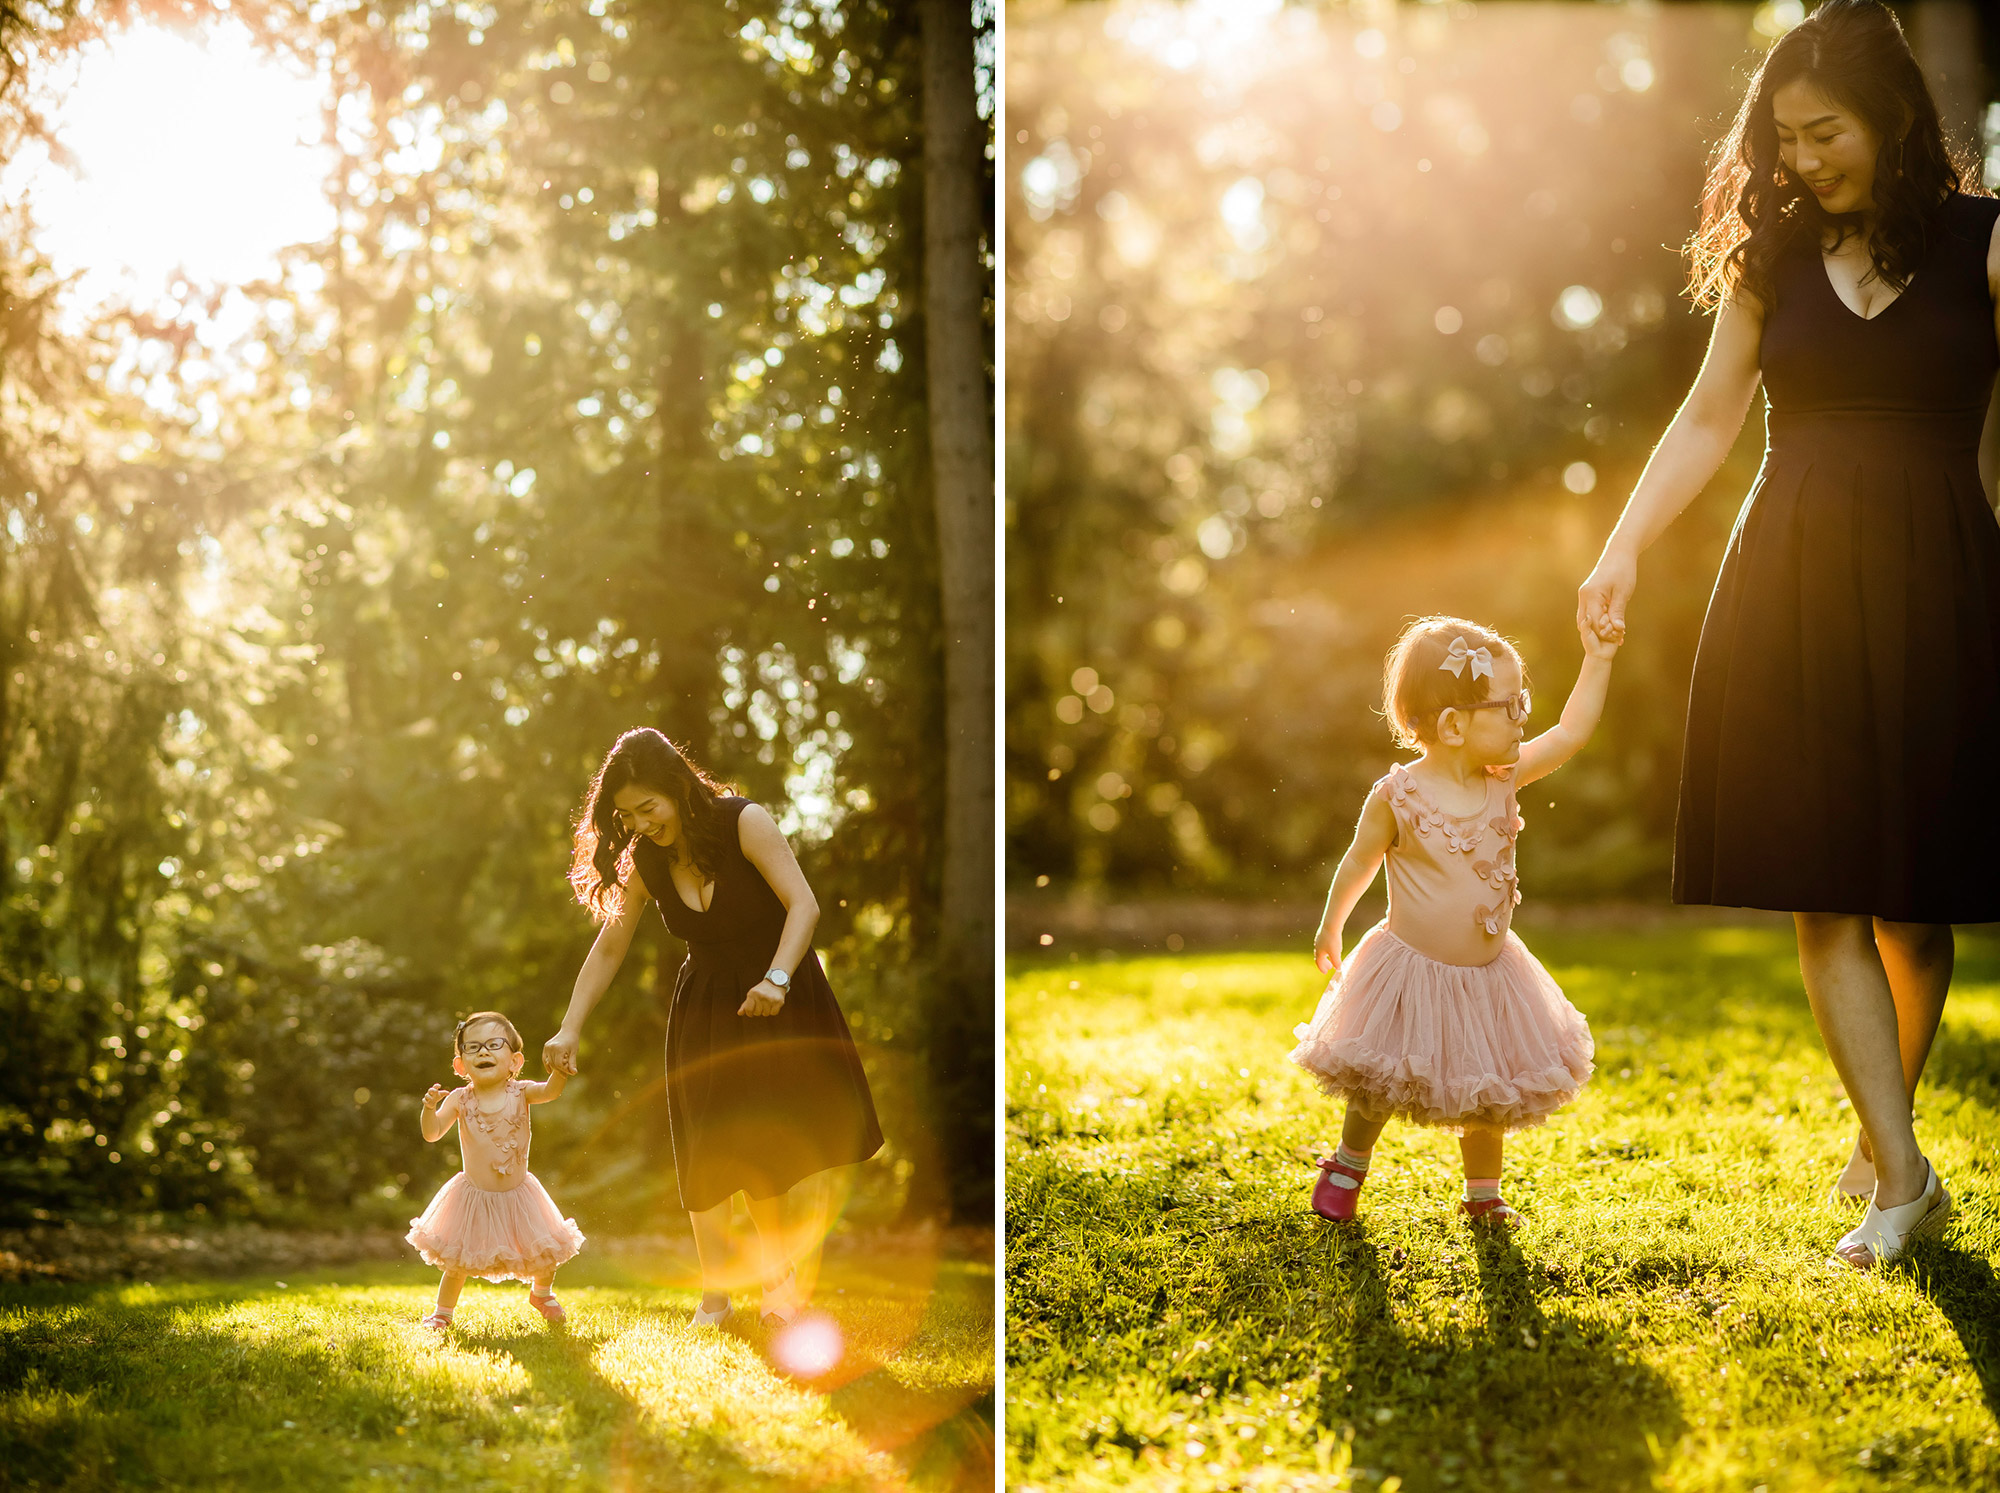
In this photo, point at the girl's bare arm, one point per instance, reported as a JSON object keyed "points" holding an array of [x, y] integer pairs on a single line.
{"points": [[1373, 835], [440, 1112]]}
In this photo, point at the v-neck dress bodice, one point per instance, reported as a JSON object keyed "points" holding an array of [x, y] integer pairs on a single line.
{"points": [[1846, 690], [755, 1104]]}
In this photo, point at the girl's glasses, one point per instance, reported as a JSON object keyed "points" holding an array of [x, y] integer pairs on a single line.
{"points": [[492, 1044], [1517, 706]]}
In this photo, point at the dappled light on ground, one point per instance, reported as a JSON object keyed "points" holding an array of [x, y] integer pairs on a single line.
{"points": [[1669, 1316], [328, 1381]]}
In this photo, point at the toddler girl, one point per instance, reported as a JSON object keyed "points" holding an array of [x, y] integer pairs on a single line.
{"points": [[493, 1219], [1441, 1015]]}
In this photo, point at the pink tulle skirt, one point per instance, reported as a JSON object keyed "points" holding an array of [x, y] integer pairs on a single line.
{"points": [[513, 1235], [1450, 1045]]}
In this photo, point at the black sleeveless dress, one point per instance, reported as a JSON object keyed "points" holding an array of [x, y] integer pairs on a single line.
{"points": [[1845, 711], [755, 1103]]}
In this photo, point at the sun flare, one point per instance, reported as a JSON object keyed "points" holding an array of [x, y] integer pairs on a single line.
{"points": [[190, 154]]}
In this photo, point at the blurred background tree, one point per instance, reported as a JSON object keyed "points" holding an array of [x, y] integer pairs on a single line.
{"points": [[1321, 318], [602, 402]]}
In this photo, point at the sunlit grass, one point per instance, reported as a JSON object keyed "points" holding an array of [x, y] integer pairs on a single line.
{"points": [[1668, 1319], [327, 1381]]}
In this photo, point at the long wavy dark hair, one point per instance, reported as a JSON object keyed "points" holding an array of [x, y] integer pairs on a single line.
{"points": [[1753, 210], [601, 848]]}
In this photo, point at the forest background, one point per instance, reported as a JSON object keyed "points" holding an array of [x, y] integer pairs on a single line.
{"points": [[606, 401], [1320, 318]]}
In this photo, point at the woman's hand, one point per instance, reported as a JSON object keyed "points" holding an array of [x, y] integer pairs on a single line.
{"points": [[1602, 598], [764, 999], [559, 1052]]}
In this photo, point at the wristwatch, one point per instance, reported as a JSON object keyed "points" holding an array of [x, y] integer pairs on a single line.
{"points": [[779, 978]]}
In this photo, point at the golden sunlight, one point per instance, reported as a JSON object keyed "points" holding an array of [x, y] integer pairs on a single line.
{"points": [[190, 154]]}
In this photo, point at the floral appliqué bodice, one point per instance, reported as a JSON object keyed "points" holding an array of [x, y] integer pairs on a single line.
{"points": [[1452, 884], [495, 1145]]}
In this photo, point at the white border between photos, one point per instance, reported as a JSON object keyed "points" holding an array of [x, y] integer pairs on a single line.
{"points": [[999, 744]]}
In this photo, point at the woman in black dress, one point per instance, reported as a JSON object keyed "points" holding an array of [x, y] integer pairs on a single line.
{"points": [[764, 1088], [1846, 695]]}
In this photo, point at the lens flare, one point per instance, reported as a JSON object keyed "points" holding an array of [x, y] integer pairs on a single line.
{"points": [[810, 1347]]}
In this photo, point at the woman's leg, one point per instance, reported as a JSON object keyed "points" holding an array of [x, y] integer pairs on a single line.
{"points": [[1855, 1010], [711, 1248], [1917, 957]]}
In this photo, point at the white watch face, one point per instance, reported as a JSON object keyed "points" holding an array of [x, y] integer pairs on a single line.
{"points": [[779, 978]]}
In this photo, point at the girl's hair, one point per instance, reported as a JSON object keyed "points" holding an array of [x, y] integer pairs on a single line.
{"points": [[601, 847], [458, 1037], [1753, 210], [1415, 686]]}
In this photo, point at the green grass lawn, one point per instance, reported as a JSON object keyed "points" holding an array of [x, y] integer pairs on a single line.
{"points": [[1668, 1318], [326, 1382]]}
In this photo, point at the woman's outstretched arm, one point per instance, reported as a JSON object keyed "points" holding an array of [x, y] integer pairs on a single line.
{"points": [[1688, 455], [600, 967], [764, 846]]}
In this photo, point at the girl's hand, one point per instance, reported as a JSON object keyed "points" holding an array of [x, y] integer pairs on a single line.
{"points": [[434, 1098], [764, 999], [1602, 598], [1595, 646], [1326, 950], [559, 1053]]}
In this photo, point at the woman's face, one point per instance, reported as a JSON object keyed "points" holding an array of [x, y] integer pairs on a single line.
{"points": [[1827, 147], [649, 812]]}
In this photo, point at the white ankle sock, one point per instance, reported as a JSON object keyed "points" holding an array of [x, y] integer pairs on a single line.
{"points": [[1350, 1158], [1482, 1189]]}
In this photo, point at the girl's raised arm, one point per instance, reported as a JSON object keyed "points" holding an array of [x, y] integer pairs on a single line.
{"points": [[1581, 713], [440, 1112], [600, 967], [1373, 835], [1688, 455]]}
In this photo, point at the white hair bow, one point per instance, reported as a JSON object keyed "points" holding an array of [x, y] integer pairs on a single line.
{"points": [[1458, 656]]}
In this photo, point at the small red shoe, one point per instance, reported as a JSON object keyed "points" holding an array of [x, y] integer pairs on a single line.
{"points": [[1495, 1213], [1331, 1199], [548, 1306]]}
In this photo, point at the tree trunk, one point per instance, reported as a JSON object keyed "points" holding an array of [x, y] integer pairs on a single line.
{"points": [[961, 442]]}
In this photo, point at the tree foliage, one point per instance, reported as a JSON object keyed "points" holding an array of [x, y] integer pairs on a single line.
{"points": [[602, 406], [1321, 319]]}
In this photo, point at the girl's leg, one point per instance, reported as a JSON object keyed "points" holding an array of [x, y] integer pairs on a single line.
{"points": [[1855, 1010], [1483, 1150], [448, 1288], [1358, 1133], [1337, 1188]]}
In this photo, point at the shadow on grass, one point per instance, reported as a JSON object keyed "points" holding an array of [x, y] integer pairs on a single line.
{"points": [[1962, 1286], [561, 1365], [1521, 1401], [96, 1391]]}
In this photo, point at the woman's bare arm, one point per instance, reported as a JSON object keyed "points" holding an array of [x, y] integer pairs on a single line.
{"points": [[600, 967], [1696, 441], [765, 847]]}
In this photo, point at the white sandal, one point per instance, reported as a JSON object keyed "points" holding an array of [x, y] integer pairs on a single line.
{"points": [[703, 1317], [781, 1302], [1859, 1169], [1882, 1235]]}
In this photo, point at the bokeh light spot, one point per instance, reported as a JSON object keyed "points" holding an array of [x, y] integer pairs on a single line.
{"points": [[810, 1347]]}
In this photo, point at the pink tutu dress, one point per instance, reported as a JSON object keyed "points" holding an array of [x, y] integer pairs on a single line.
{"points": [[493, 1219], [1441, 1015]]}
